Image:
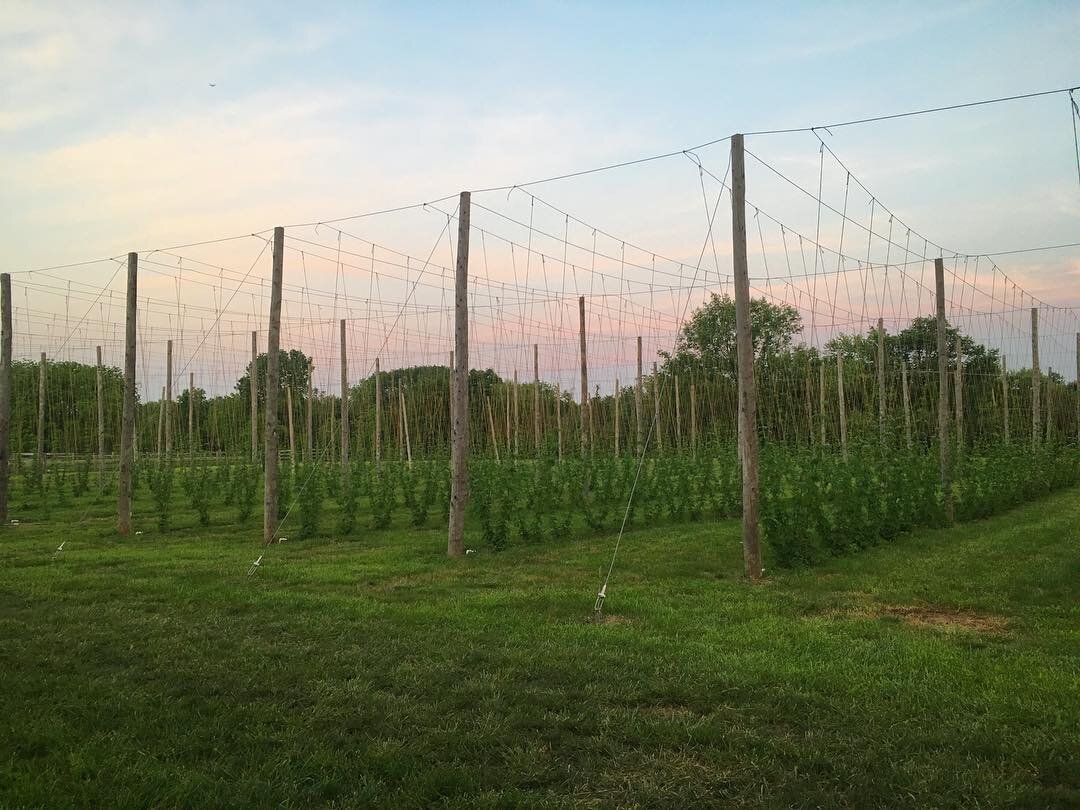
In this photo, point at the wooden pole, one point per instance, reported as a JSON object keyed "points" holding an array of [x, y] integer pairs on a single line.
{"points": [[405, 425], [881, 379], [273, 342], [536, 399], [821, 403], [41, 417], [491, 424], [292, 434], [1036, 380], [517, 413], [906, 393], [309, 425], [459, 451], [693, 418], [958, 385], [748, 438], [638, 416], [450, 395], [1005, 398], [161, 424], [378, 414], [678, 417], [168, 400], [254, 397], [841, 404], [616, 417], [100, 422], [943, 391], [657, 428], [558, 418], [127, 425], [585, 415], [344, 405], [5, 393], [191, 417]]}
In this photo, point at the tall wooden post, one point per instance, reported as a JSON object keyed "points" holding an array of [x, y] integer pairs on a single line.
{"points": [[616, 403], [881, 379], [536, 399], [191, 417], [656, 429], [1036, 381], [491, 424], [958, 386], [585, 415], [127, 424], [41, 417], [273, 342], [168, 400], [450, 399], [405, 424], [161, 424], [821, 403], [943, 391], [459, 450], [748, 437], [558, 419], [255, 396], [639, 422], [517, 413], [378, 414], [678, 417], [5, 393], [841, 403], [309, 422], [693, 418], [906, 394], [100, 422], [292, 434], [1005, 398], [344, 405]]}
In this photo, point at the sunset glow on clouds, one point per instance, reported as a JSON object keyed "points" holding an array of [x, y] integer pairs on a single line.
{"points": [[114, 140]]}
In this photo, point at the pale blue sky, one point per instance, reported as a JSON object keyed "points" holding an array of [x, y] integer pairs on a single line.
{"points": [[113, 140]]}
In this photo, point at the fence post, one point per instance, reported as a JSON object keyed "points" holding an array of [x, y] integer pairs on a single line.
{"points": [[586, 416], [638, 417], [1005, 398], [536, 397], [344, 405], [100, 423], [41, 417], [748, 438], [309, 426], [378, 414], [127, 425], [292, 433], [255, 396], [881, 379], [958, 385], [459, 450], [841, 403], [273, 341], [906, 393], [5, 393], [1036, 381], [943, 390], [191, 417], [168, 401]]}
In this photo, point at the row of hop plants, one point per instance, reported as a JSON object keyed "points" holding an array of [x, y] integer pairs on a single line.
{"points": [[815, 504]]}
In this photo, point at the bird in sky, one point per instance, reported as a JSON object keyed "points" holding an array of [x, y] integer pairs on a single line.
{"points": [[213, 84]]}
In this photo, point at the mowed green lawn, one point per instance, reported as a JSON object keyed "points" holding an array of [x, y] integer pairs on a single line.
{"points": [[943, 670]]}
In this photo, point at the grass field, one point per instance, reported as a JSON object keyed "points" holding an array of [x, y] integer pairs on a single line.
{"points": [[943, 670]]}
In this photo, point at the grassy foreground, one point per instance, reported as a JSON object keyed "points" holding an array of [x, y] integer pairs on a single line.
{"points": [[942, 670]]}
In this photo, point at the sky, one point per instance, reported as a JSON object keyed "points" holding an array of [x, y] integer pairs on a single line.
{"points": [[114, 138]]}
